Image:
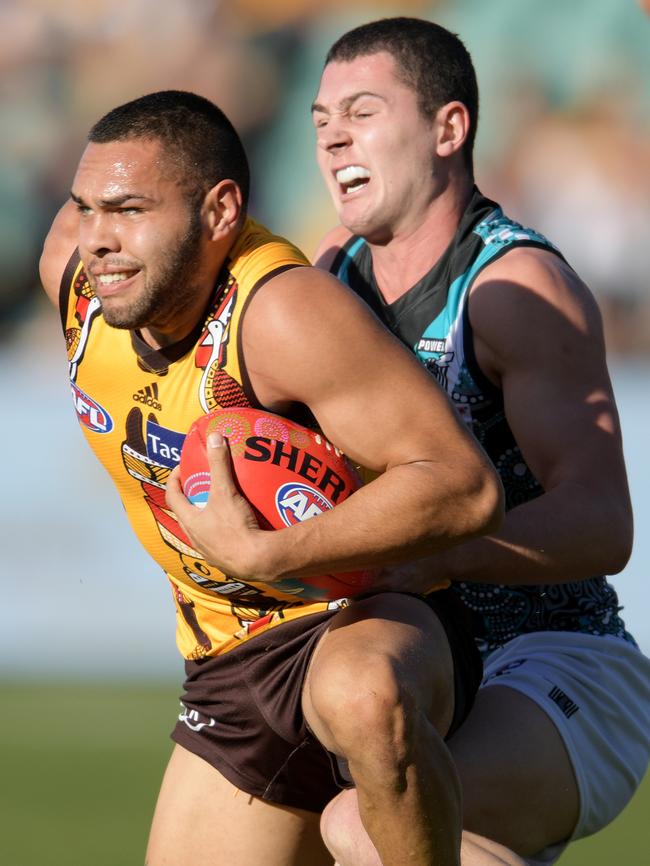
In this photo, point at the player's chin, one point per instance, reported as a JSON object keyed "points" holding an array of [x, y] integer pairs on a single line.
{"points": [[120, 316], [360, 222], [353, 216]]}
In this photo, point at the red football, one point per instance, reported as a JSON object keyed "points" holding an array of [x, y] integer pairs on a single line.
{"points": [[288, 474]]}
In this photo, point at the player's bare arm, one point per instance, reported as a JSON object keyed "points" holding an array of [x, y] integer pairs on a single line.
{"points": [[562, 412], [60, 243], [436, 487]]}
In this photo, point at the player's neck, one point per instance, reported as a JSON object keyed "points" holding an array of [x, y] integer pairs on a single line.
{"points": [[180, 322], [415, 248]]}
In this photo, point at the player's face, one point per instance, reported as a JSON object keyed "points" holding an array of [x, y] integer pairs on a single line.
{"points": [[138, 237], [375, 149]]}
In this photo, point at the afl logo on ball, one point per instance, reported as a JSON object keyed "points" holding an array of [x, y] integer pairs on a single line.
{"points": [[298, 502], [197, 488]]}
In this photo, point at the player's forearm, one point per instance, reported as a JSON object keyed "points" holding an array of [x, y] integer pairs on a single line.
{"points": [[568, 534], [410, 511]]}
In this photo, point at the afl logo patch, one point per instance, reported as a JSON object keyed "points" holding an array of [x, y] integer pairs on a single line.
{"points": [[298, 502], [90, 413]]}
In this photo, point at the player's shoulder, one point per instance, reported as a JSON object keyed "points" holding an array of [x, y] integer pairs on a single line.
{"points": [[295, 304], [58, 248], [258, 253], [306, 286], [330, 247], [501, 230], [540, 271], [529, 298]]}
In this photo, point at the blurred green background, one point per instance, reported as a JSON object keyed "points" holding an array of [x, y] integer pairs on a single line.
{"points": [[81, 766]]}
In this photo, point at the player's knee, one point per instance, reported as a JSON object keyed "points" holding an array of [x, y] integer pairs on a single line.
{"points": [[370, 714]]}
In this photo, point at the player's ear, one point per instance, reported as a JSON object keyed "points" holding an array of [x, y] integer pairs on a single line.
{"points": [[452, 128], [222, 207]]}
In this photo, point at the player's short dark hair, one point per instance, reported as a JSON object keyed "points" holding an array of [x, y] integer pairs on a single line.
{"points": [[196, 135], [429, 59]]}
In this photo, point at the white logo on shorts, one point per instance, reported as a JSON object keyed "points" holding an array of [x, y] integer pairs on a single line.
{"points": [[193, 720]]}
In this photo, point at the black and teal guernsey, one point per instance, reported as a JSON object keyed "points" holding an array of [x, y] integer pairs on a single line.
{"points": [[431, 318]]}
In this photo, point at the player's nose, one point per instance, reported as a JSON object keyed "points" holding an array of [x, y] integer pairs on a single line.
{"points": [[334, 135], [97, 235]]}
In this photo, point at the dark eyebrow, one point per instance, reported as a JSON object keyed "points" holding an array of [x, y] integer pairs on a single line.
{"points": [[344, 104], [114, 201]]}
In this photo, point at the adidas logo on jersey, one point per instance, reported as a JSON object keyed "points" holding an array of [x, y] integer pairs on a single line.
{"points": [[148, 396]]}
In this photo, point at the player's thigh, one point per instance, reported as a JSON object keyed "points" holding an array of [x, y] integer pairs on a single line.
{"points": [[479, 851], [201, 818], [389, 641], [518, 783]]}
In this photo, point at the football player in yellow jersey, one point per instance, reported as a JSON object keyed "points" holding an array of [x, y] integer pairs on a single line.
{"points": [[364, 692]]}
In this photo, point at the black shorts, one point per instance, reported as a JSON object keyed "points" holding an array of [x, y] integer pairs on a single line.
{"points": [[243, 715]]}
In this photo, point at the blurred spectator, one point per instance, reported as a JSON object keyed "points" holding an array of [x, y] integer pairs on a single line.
{"points": [[564, 138], [582, 177], [64, 62], [28, 84]]}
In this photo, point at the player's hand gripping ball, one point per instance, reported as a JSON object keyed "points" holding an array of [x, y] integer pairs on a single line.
{"points": [[286, 472]]}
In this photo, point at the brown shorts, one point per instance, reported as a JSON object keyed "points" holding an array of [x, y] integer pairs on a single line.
{"points": [[242, 710]]}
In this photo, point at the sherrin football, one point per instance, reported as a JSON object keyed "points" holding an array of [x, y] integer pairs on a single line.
{"points": [[287, 473]]}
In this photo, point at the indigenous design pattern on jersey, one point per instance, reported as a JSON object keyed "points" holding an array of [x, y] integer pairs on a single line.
{"points": [[431, 318], [135, 405]]}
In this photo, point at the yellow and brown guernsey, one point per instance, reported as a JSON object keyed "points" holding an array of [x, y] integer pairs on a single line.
{"points": [[135, 405]]}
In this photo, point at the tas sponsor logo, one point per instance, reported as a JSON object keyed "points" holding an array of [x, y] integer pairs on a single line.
{"points": [[90, 414], [148, 396], [298, 502], [163, 445]]}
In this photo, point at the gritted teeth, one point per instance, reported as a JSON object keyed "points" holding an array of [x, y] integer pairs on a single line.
{"points": [[352, 178], [350, 173]]}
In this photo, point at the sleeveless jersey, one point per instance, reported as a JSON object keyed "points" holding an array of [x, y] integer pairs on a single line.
{"points": [[135, 405], [431, 318]]}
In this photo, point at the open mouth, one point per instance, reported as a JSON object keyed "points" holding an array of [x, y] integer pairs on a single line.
{"points": [[351, 179], [111, 283]]}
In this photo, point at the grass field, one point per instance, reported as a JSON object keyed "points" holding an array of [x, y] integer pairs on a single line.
{"points": [[80, 768]]}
